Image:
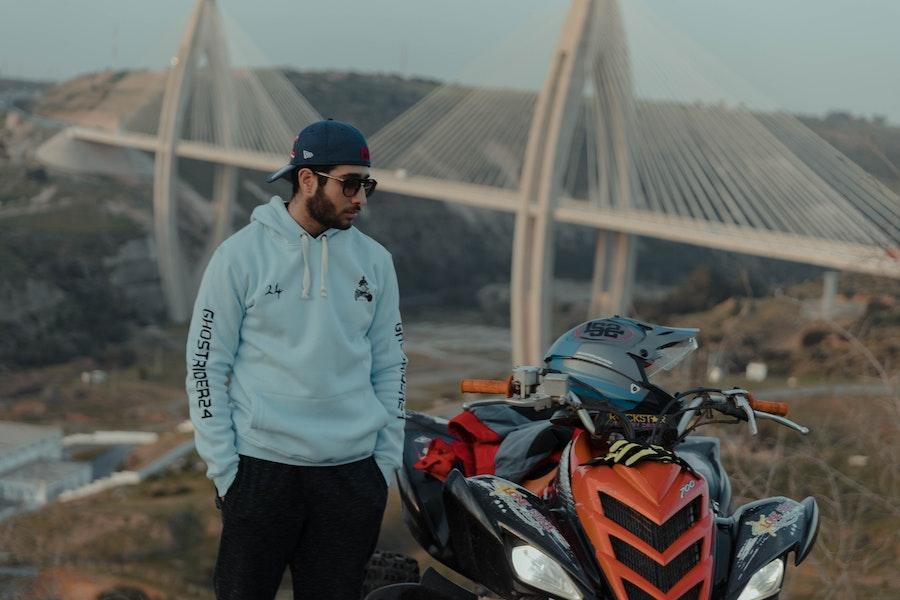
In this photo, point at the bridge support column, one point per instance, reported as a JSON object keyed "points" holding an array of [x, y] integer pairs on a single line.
{"points": [[829, 293], [165, 213], [614, 262], [203, 34], [224, 194], [551, 131], [614, 257]]}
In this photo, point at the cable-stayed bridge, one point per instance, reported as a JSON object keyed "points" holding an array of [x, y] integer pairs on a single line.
{"points": [[674, 159]]}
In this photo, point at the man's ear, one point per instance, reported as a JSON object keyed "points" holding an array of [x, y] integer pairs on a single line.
{"points": [[308, 181]]}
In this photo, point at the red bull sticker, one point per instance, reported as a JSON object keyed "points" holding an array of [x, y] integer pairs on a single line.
{"points": [[784, 515]]}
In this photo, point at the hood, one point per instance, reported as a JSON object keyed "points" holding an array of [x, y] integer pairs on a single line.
{"points": [[279, 222]]}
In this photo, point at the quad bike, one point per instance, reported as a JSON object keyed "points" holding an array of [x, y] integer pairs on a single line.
{"points": [[635, 509]]}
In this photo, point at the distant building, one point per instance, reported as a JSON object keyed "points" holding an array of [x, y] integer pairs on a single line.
{"points": [[21, 443], [756, 371], [41, 481], [32, 471]]}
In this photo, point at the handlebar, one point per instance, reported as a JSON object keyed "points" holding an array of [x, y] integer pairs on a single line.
{"points": [[532, 387], [774, 408], [487, 386], [740, 403]]}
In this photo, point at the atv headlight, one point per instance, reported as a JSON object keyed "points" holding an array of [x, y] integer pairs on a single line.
{"points": [[536, 568], [765, 582]]}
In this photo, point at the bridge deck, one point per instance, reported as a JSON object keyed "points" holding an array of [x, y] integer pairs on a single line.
{"points": [[744, 239]]}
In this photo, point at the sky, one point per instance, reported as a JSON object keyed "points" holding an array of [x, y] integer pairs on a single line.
{"points": [[807, 56]]}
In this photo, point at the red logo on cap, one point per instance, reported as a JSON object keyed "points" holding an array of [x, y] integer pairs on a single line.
{"points": [[294, 148], [364, 153]]}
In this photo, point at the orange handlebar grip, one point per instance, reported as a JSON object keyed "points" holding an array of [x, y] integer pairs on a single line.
{"points": [[775, 408], [486, 386]]}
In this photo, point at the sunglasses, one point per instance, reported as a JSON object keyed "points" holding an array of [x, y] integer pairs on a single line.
{"points": [[351, 185]]}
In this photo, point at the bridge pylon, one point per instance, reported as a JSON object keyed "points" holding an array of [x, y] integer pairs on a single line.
{"points": [[591, 48], [707, 172], [202, 37]]}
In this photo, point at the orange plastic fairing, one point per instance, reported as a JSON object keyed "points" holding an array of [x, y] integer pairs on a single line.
{"points": [[650, 525]]}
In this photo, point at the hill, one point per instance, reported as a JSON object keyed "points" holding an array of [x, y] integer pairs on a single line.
{"points": [[67, 233], [78, 292]]}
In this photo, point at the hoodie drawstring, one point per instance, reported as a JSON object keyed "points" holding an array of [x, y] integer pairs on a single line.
{"points": [[323, 289], [304, 255], [323, 273]]}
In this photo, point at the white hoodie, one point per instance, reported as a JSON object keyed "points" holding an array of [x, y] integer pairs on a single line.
{"points": [[294, 353]]}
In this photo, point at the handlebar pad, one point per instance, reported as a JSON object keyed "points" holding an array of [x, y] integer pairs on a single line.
{"points": [[775, 408], [486, 386]]}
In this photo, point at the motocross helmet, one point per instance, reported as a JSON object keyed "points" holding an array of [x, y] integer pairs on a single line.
{"points": [[612, 359]]}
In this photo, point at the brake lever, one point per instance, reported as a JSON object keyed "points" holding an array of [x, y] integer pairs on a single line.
{"points": [[741, 402], [586, 421], [571, 399], [691, 410], [477, 403], [535, 401], [782, 421]]}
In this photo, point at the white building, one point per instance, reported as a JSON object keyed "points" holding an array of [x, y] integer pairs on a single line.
{"points": [[32, 471], [41, 481], [21, 443]]}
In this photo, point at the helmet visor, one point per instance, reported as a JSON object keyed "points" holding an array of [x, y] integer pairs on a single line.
{"points": [[608, 383], [669, 356]]}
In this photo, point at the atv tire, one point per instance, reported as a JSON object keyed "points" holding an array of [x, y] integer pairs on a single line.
{"points": [[387, 568]]}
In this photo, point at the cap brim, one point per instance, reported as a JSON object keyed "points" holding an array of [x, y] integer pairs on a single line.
{"points": [[288, 168]]}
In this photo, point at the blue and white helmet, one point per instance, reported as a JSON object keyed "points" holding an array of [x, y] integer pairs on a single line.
{"points": [[613, 358]]}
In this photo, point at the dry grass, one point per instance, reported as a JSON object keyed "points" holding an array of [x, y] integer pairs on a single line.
{"points": [[164, 533], [857, 554]]}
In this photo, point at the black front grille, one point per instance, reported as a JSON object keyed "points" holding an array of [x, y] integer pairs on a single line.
{"points": [[693, 593], [636, 593], [659, 537], [663, 577]]}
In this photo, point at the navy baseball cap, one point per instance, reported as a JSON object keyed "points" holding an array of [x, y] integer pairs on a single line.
{"points": [[326, 142]]}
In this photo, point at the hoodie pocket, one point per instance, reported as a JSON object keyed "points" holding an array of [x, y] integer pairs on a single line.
{"points": [[322, 430]]}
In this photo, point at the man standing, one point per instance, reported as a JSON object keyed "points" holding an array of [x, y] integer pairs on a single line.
{"points": [[296, 379]]}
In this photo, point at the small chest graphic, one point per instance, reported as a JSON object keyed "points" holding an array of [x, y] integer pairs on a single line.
{"points": [[362, 291], [273, 291]]}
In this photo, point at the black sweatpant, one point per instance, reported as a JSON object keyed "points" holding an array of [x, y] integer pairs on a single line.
{"points": [[322, 522]]}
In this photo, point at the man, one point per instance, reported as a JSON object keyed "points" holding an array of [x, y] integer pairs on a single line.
{"points": [[296, 379]]}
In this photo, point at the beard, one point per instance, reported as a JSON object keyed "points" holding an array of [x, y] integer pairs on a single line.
{"points": [[322, 210]]}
